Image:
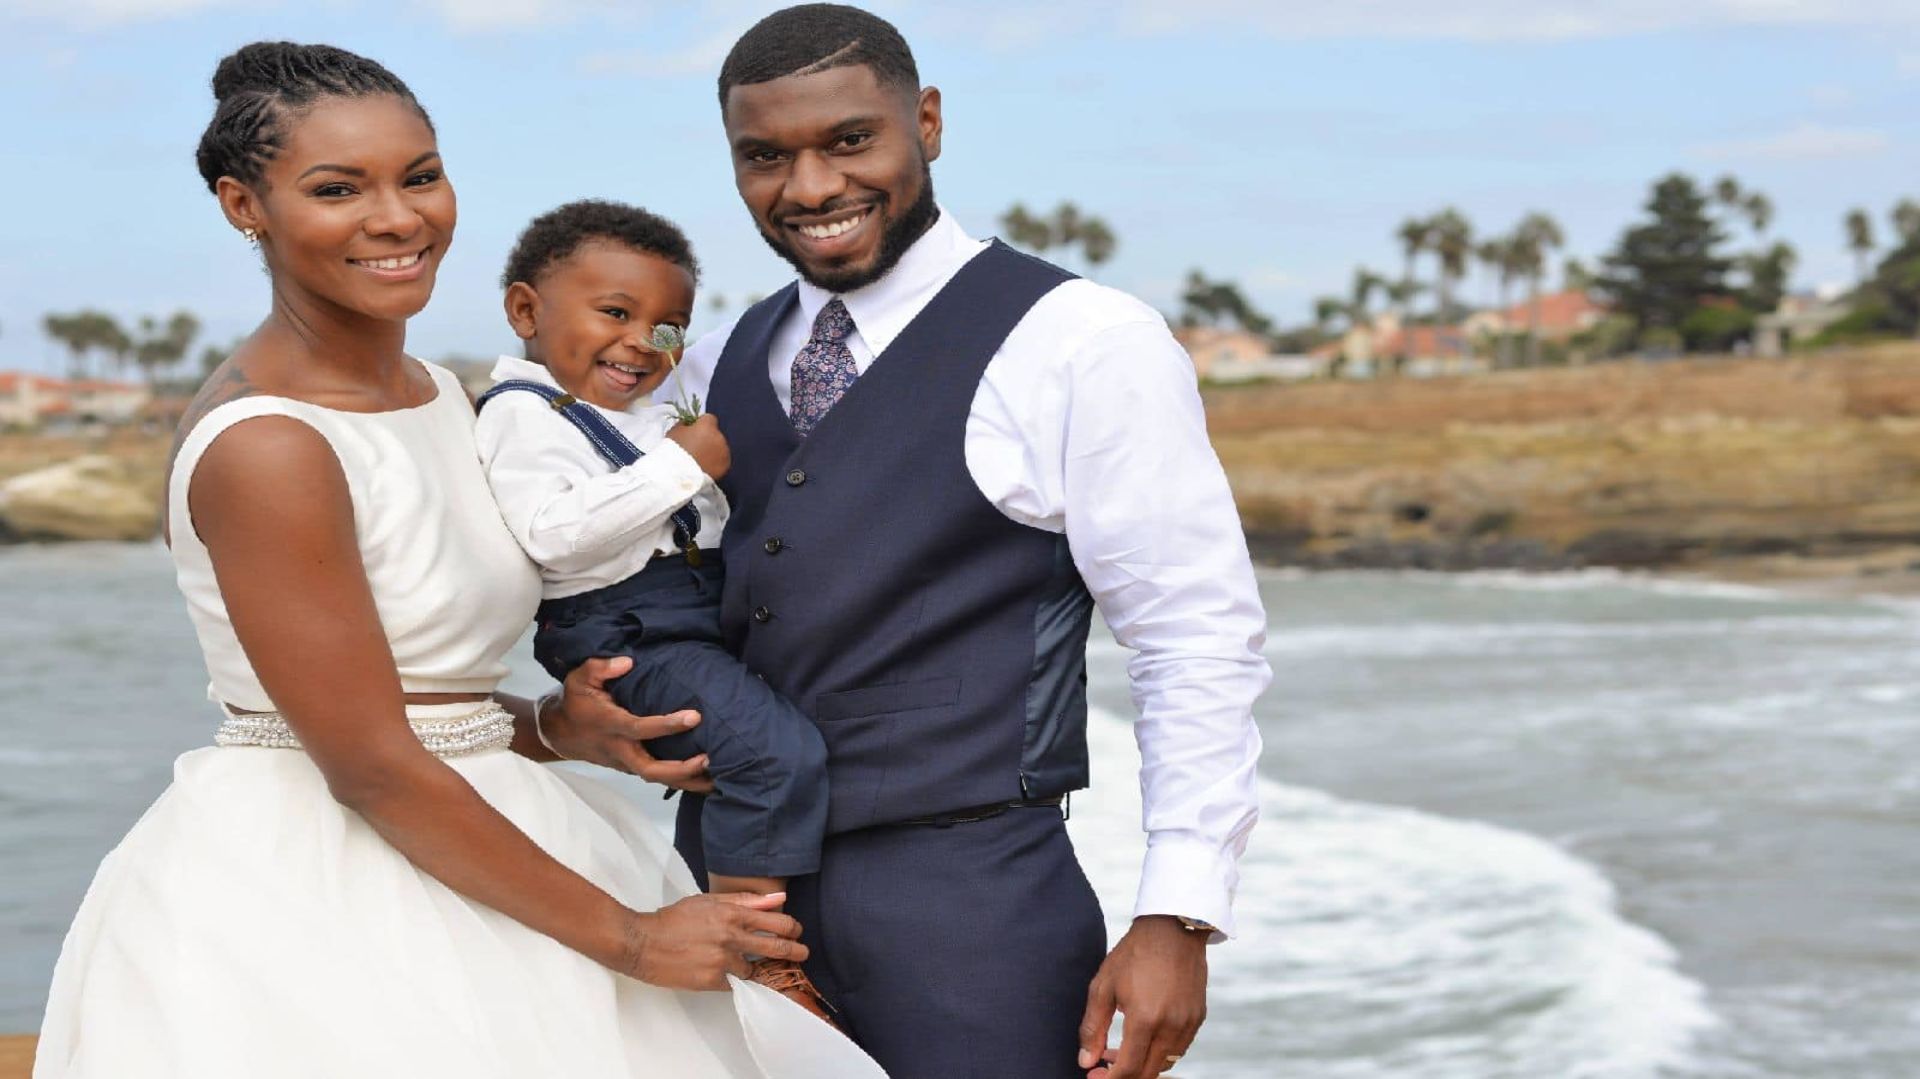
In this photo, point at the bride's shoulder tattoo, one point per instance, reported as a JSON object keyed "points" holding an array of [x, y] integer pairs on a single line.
{"points": [[229, 382]]}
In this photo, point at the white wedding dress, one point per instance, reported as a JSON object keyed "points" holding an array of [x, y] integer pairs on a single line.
{"points": [[250, 926]]}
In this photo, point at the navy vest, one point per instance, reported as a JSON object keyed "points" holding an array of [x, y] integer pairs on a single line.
{"points": [[939, 646]]}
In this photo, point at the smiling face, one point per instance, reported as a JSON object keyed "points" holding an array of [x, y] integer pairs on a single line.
{"points": [[834, 168], [588, 318], [355, 212]]}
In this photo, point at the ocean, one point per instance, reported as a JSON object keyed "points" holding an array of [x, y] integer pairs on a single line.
{"points": [[1514, 827]]}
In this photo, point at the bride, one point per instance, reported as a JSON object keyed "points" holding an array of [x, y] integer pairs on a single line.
{"points": [[370, 874]]}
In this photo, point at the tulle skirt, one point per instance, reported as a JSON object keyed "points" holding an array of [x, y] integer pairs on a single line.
{"points": [[251, 926]]}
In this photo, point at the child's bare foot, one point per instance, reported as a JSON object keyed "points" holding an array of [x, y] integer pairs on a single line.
{"points": [[787, 978]]}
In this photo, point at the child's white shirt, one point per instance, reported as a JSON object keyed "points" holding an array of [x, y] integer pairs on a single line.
{"points": [[587, 524]]}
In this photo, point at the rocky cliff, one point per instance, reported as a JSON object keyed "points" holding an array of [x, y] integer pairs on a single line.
{"points": [[1619, 464]]}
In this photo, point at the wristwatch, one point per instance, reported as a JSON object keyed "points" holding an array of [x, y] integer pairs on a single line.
{"points": [[1195, 925]]}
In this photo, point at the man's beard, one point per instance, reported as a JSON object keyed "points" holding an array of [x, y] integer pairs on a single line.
{"points": [[900, 234]]}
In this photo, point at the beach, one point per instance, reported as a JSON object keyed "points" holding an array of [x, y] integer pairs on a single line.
{"points": [[1514, 826]]}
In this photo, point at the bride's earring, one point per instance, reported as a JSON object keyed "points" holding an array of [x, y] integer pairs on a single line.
{"points": [[252, 236]]}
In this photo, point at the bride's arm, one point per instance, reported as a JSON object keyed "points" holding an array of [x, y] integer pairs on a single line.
{"points": [[272, 506]]}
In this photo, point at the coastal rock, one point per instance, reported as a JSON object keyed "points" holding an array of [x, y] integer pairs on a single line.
{"points": [[88, 498], [1624, 464]]}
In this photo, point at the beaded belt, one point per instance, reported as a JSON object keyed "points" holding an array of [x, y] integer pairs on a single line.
{"points": [[489, 728]]}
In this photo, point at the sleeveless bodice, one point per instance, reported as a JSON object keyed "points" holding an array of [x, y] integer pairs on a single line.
{"points": [[453, 589]]}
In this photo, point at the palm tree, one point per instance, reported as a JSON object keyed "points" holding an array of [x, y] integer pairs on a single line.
{"points": [[1726, 190], [1325, 310], [1415, 235], [1452, 241], [1759, 211], [1097, 242], [1767, 274], [1401, 295], [1026, 230], [1906, 220], [1860, 240], [1536, 235], [1575, 276], [1502, 257], [1067, 222], [66, 329]]}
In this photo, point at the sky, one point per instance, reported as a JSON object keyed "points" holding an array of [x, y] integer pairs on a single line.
{"points": [[1275, 144]]}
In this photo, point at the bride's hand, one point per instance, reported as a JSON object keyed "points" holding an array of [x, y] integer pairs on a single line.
{"points": [[696, 942], [589, 726]]}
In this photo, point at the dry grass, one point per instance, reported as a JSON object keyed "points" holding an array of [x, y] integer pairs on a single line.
{"points": [[16, 1056]]}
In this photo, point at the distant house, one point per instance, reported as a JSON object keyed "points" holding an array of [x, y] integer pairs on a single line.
{"points": [[1386, 346], [1799, 317], [25, 398], [1561, 316], [1216, 351], [28, 400]]}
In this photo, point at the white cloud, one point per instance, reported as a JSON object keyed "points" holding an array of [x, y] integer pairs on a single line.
{"points": [[1808, 142]]}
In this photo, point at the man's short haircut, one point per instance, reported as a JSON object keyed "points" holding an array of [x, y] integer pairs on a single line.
{"points": [[811, 38], [559, 233]]}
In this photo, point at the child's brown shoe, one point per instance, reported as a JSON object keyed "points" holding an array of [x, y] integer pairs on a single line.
{"points": [[787, 978]]}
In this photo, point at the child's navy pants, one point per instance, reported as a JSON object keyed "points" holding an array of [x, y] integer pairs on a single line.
{"points": [[768, 811]]}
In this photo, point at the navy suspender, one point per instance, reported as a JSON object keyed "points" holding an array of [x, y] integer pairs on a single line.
{"points": [[607, 440]]}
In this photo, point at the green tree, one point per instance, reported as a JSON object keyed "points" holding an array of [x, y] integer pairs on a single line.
{"points": [[1759, 211], [1536, 235], [1025, 230], [1502, 257], [1097, 242], [1906, 220], [1575, 276], [1860, 241], [1415, 235], [1452, 242], [1662, 269], [160, 348], [1768, 271], [1211, 303], [1326, 311]]}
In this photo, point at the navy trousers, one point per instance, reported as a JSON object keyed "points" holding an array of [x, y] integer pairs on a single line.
{"points": [[961, 951], [768, 812]]}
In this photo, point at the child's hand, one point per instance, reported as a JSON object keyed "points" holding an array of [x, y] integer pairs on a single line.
{"points": [[703, 440]]}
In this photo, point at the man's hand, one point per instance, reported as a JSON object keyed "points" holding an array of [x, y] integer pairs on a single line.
{"points": [[587, 725], [1157, 977]]}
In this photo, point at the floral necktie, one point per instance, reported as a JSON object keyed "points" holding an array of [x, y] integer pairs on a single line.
{"points": [[824, 368]]}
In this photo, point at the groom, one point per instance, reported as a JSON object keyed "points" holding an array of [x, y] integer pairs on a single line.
{"points": [[945, 454]]}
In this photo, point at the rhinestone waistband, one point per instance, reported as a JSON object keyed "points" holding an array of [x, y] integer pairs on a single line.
{"points": [[491, 727]]}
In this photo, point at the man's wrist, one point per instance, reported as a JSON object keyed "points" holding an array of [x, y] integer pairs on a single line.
{"points": [[1174, 925]]}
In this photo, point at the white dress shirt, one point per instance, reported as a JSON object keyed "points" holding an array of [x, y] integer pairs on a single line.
{"points": [[1088, 421], [585, 522]]}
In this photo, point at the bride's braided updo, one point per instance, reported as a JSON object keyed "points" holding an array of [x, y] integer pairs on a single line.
{"points": [[261, 85]]}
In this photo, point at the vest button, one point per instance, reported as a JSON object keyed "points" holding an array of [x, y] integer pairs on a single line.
{"points": [[761, 614], [775, 546], [796, 478]]}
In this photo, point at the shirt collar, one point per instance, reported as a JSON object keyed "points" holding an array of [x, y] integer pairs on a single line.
{"points": [[512, 367], [884, 308]]}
